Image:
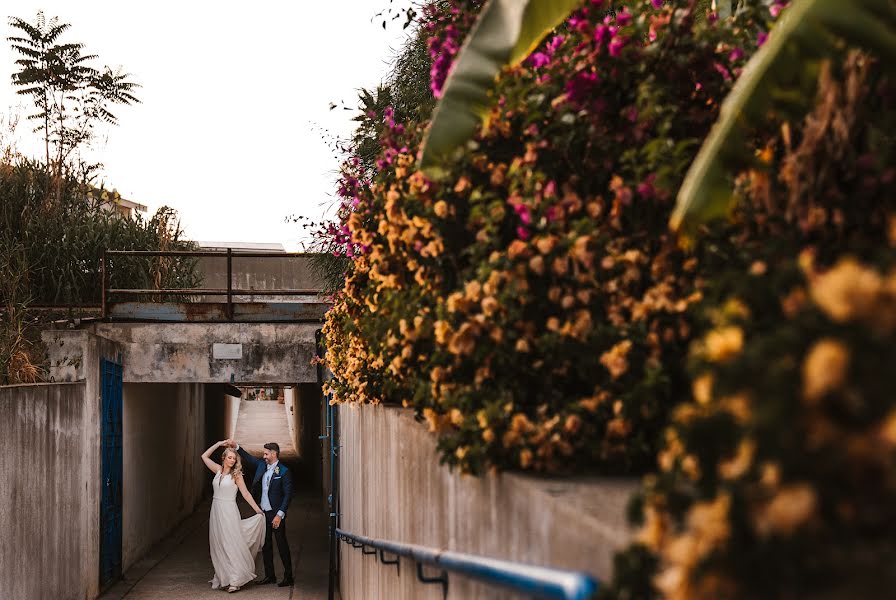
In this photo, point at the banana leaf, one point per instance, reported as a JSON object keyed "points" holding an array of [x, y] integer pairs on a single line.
{"points": [[505, 33], [808, 32]]}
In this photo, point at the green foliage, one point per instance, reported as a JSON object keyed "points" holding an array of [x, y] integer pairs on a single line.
{"points": [[70, 95], [63, 236], [18, 344], [532, 305], [783, 463], [780, 77], [504, 34]]}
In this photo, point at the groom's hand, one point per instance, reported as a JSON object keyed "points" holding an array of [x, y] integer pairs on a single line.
{"points": [[230, 443], [276, 522]]}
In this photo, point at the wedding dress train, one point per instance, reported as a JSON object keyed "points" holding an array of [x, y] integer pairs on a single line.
{"points": [[233, 542]]}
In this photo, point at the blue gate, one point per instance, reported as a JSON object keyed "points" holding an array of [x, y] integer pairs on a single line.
{"points": [[110, 503]]}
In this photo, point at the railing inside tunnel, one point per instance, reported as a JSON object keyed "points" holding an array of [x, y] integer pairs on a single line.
{"points": [[534, 581], [229, 293]]}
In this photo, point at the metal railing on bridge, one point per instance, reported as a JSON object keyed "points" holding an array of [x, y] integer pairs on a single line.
{"points": [[229, 310], [530, 580]]}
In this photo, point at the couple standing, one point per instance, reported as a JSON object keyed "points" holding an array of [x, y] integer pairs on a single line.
{"points": [[234, 542]]}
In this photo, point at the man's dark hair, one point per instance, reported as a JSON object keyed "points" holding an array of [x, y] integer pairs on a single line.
{"points": [[273, 446]]}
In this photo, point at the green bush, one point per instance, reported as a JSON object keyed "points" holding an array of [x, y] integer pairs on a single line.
{"points": [[778, 478], [533, 306]]}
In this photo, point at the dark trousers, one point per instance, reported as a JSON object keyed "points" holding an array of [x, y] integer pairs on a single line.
{"points": [[267, 551]]}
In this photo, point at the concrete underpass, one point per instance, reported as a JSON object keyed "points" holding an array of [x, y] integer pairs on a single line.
{"points": [[145, 400], [178, 566]]}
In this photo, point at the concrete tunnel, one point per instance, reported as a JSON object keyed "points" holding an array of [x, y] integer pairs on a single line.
{"points": [[176, 399]]}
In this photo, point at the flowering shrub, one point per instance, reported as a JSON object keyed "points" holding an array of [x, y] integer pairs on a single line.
{"points": [[532, 306], [778, 478]]}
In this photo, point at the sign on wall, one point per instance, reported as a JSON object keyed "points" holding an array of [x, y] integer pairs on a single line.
{"points": [[227, 351]]}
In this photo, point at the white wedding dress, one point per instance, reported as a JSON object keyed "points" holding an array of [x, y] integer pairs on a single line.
{"points": [[233, 541]]}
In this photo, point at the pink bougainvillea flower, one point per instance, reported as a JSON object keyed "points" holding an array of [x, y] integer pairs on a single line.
{"points": [[539, 60], [623, 17], [524, 213], [581, 86], [616, 45], [776, 8], [555, 43], [726, 75]]}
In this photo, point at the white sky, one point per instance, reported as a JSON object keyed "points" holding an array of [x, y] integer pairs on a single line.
{"points": [[234, 99]]}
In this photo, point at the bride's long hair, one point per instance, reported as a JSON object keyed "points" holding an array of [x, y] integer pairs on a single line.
{"points": [[237, 469]]}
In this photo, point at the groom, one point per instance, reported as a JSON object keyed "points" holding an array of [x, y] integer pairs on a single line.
{"points": [[272, 487]]}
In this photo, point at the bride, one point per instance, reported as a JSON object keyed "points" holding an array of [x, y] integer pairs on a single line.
{"points": [[233, 542]]}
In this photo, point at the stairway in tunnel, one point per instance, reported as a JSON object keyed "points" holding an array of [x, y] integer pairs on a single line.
{"points": [[263, 421]]}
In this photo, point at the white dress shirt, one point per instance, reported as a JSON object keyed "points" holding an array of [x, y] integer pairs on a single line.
{"points": [[265, 486], [265, 503]]}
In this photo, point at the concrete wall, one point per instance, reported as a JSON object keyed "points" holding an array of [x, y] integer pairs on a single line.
{"points": [[291, 404], [305, 420], [221, 413], [164, 434], [288, 273], [48, 507], [231, 415], [183, 352], [391, 486]]}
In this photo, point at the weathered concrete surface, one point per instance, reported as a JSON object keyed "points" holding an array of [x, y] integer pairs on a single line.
{"points": [[286, 273], [179, 567], [290, 404], [221, 413], [392, 487], [310, 426], [48, 549], [164, 478], [309, 309], [183, 352]]}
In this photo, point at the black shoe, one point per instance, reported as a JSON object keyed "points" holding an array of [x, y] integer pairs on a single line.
{"points": [[266, 581], [287, 582]]}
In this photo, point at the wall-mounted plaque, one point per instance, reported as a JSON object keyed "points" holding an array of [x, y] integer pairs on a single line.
{"points": [[227, 351]]}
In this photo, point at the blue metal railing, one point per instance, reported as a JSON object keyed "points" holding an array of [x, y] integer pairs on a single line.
{"points": [[530, 580]]}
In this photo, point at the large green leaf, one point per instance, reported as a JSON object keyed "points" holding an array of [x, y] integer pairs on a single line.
{"points": [[808, 32], [505, 33]]}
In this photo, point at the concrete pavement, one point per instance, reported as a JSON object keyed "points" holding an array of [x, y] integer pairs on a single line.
{"points": [[261, 422], [179, 567]]}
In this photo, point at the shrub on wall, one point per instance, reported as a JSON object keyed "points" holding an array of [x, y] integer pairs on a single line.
{"points": [[778, 477], [532, 305]]}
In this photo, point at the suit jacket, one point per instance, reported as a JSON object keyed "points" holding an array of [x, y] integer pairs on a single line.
{"points": [[280, 490]]}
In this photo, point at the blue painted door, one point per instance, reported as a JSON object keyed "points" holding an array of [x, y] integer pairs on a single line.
{"points": [[110, 502]]}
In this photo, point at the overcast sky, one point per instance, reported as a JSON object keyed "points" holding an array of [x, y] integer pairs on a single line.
{"points": [[235, 100]]}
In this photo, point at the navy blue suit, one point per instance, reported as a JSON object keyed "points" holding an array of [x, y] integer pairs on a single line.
{"points": [[279, 495]]}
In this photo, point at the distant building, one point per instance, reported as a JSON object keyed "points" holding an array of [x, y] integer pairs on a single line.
{"points": [[242, 246], [113, 202], [127, 208]]}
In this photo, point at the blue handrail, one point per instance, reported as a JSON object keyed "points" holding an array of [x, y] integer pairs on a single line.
{"points": [[534, 581]]}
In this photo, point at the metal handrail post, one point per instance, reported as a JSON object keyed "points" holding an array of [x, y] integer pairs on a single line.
{"points": [[230, 284], [103, 284]]}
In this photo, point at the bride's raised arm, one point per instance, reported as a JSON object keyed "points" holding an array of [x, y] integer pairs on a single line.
{"points": [[206, 458], [241, 484]]}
